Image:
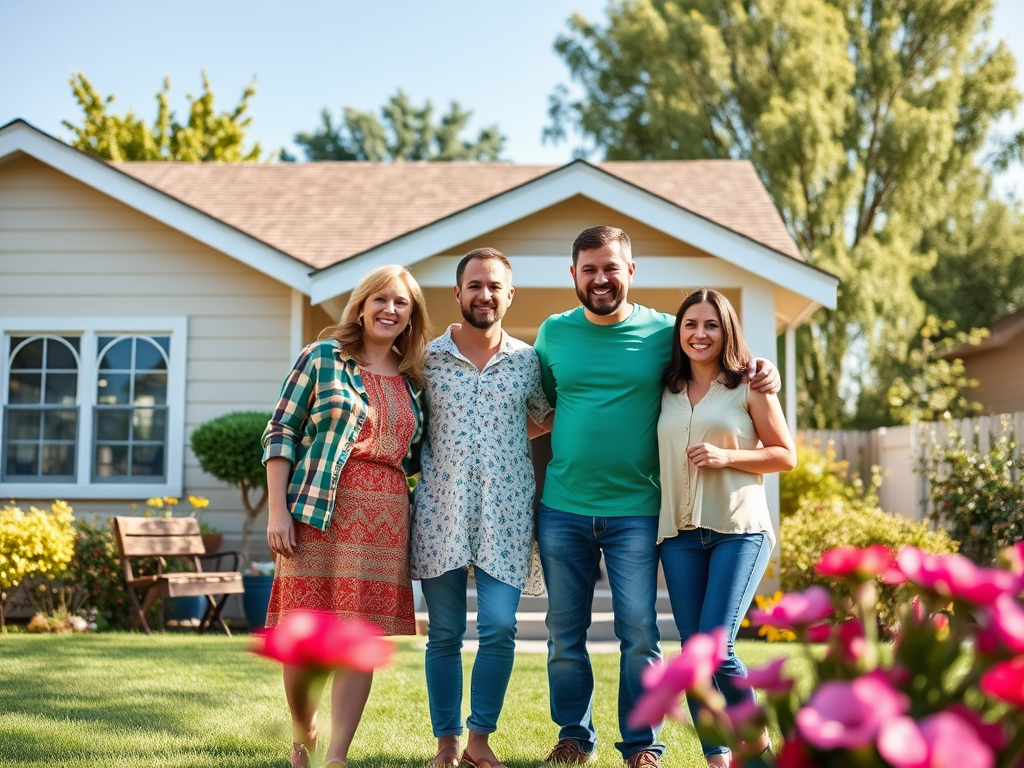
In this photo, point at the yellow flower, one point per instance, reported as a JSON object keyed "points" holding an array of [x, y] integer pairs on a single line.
{"points": [[198, 502], [170, 501], [156, 502]]}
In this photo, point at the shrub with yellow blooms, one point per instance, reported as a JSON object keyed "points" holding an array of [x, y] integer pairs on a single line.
{"points": [[39, 544]]}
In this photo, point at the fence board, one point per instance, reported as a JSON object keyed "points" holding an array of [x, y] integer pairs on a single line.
{"points": [[899, 451]]}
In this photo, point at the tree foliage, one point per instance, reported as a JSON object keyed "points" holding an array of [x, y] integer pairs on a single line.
{"points": [[862, 118], [207, 135], [403, 132]]}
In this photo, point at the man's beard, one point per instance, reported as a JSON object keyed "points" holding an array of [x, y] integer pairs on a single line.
{"points": [[605, 305], [483, 322]]}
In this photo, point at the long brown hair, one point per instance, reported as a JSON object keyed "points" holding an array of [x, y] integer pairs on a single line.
{"points": [[735, 355], [411, 344]]}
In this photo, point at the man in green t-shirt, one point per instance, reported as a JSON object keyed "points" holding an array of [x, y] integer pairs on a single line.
{"points": [[601, 367]]}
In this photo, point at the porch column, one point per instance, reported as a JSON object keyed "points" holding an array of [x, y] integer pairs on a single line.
{"points": [[295, 323], [789, 385], [757, 316]]}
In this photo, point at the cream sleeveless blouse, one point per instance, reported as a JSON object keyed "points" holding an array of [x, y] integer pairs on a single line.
{"points": [[725, 500]]}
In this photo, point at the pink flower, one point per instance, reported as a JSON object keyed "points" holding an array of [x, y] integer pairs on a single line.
{"points": [[1005, 681], [858, 564], [320, 639], [954, 576], [942, 740], [768, 678], [747, 720], [819, 633], [698, 660], [1013, 558], [992, 734], [795, 754], [1002, 626], [796, 609], [849, 714], [850, 636]]}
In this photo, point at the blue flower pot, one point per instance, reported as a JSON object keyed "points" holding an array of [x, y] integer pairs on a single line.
{"points": [[256, 599], [186, 608]]}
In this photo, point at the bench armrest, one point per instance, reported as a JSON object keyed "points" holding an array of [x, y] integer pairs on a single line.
{"points": [[219, 554]]}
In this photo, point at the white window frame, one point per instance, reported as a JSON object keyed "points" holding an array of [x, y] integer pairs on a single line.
{"points": [[89, 328]]}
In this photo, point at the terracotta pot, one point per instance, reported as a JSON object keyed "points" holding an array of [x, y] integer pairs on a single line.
{"points": [[212, 541]]}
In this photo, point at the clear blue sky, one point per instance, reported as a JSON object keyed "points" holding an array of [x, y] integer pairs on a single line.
{"points": [[495, 58]]}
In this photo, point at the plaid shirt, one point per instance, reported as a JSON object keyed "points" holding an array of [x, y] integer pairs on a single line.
{"points": [[322, 409]]}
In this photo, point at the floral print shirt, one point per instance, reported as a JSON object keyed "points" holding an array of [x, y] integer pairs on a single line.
{"points": [[474, 503]]}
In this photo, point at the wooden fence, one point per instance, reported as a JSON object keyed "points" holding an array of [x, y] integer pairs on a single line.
{"points": [[899, 451]]}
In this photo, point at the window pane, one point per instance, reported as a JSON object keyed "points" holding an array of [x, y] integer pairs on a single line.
{"points": [[60, 425], [111, 461], [113, 388], [28, 357], [112, 424], [118, 357], [150, 424], [61, 388], [148, 460], [23, 424], [58, 460], [151, 389], [22, 460], [148, 356], [59, 354], [164, 342], [25, 387]]}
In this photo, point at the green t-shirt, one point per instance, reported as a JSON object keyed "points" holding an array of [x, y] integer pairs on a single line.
{"points": [[605, 384]]}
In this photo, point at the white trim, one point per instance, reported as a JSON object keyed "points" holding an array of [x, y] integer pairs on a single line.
{"points": [[90, 328], [791, 378], [580, 178], [295, 326], [21, 137], [553, 272]]}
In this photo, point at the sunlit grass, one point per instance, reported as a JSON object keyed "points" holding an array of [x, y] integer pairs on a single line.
{"points": [[181, 700]]}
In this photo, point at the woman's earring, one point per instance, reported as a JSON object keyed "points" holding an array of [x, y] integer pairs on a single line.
{"points": [[360, 321]]}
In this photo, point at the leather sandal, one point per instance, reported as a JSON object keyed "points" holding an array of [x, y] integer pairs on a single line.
{"points": [[300, 757], [446, 758]]}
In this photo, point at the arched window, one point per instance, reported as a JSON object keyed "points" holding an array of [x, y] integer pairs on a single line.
{"points": [[41, 414]]}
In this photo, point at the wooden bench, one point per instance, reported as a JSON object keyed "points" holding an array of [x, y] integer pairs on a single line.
{"points": [[161, 538]]}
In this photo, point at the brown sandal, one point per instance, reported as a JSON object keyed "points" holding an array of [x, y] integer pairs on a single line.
{"points": [[446, 758], [467, 760], [300, 753]]}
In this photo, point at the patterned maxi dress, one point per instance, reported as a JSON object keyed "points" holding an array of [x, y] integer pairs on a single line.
{"points": [[359, 566]]}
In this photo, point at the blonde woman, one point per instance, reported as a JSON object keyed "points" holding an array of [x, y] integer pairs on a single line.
{"points": [[337, 451]]}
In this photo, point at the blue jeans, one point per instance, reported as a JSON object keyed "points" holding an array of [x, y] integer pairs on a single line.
{"points": [[711, 580], [445, 596], [570, 550]]}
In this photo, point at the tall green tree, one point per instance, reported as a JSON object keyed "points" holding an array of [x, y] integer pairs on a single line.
{"points": [[861, 117], [207, 135], [979, 272], [403, 132]]}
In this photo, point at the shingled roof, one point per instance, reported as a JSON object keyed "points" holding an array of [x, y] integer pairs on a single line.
{"points": [[325, 212]]}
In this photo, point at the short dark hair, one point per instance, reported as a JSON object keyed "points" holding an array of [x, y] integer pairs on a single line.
{"points": [[482, 254], [593, 238], [735, 355]]}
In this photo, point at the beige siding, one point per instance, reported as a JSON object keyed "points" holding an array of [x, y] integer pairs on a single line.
{"points": [[551, 232], [66, 249], [999, 373]]}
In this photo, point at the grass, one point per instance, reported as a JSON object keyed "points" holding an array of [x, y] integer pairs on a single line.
{"points": [[180, 700]]}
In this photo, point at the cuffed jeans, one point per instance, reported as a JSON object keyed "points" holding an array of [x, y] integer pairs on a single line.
{"points": [[570, 550], [445, 596], [711, 579]]}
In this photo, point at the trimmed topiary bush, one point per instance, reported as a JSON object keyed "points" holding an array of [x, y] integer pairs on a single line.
{"points": [[817, 527], [229, 447]]}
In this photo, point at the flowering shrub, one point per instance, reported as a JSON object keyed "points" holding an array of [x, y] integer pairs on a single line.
{"points": [[95, 573], [820, 478], [950, 693], [816, 528], [39, 545], [978, 497]]}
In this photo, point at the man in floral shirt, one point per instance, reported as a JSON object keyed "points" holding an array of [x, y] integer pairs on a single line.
{"points": [[474, 505]]}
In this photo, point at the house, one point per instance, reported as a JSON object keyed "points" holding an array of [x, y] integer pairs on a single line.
{"points": [[139, 300], [998, 365]]}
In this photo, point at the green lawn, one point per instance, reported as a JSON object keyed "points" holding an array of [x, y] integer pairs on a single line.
{"points": [[183, 700]]}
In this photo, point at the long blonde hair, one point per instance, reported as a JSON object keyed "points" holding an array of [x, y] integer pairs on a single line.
{"points": [[411, 344]]}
